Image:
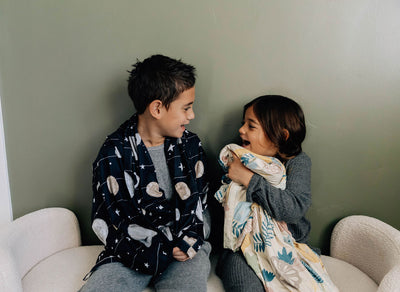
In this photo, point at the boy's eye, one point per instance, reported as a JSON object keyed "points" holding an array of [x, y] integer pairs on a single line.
{"points": [[187, 108], [251, 127]]}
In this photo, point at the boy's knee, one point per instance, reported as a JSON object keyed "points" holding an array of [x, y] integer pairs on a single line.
{"points": [[206, 249], [115, 277]]}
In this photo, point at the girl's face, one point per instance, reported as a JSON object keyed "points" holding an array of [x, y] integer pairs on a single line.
{"points": [[253, 136]]}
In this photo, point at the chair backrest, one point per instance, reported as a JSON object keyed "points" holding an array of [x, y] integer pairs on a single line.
{"points": [[32, 238], [367, 243]]}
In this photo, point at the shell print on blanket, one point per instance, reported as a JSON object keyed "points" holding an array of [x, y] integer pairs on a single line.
{"points": [[279, 261], [153, 190], [182, 190]]}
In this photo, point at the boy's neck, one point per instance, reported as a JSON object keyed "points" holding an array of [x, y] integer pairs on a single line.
{"points": [[149, 131]]}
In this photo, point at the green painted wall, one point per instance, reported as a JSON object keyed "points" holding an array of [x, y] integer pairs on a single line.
{"points": [[63, 87]]}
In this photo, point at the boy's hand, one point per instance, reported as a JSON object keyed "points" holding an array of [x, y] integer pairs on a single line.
{"points": [[238, 172], [179, 255]]}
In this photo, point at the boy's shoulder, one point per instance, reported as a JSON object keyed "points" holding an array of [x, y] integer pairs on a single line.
{"points": [[119, 138], [188, 135], [191, 139], [126, 129]]}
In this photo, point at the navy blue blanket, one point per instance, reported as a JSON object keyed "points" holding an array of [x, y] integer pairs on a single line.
{"points": [[131, 214]]}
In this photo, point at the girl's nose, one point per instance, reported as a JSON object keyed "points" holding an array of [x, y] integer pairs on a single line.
{"points": [[241, 130]]}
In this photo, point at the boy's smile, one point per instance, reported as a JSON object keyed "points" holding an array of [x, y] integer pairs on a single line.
{"points": [[179, 114]]}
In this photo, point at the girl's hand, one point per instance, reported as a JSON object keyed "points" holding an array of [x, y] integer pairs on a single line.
{"points": [[179, 255], [238, 172]]}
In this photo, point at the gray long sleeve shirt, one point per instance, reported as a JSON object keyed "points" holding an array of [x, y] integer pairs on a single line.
{"points": [[289, 205]]}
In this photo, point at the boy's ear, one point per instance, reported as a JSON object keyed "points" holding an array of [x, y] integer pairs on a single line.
{"points": [[286, 133], [155, 108]]}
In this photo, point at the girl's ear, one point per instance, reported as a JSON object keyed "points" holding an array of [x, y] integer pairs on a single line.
{"points": [[286, 133], [155, 108]]}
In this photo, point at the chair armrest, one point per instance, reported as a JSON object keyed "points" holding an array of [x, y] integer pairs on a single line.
{"points": [[368, 244], [37, 235], [390, 282], [9, 277]]}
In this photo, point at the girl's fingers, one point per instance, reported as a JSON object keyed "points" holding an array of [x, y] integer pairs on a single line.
{"points": [[234, 158], [234, 154]]}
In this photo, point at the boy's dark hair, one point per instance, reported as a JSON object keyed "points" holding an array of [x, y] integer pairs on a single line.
{"points": [[276, 113], [159, 77]]}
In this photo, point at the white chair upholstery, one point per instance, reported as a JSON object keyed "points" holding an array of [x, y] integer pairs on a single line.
{"points": [[42, 251], [369, 245]]}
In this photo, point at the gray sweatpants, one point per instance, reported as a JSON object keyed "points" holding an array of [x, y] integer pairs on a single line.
{"points": [[236, 274], [190, 275]]}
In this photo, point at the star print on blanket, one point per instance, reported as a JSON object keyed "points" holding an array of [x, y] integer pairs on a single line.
{"points": [[131, 215], [279, 261]]}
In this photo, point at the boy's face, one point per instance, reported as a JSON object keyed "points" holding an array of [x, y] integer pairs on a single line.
{"points": [[179, 114]]}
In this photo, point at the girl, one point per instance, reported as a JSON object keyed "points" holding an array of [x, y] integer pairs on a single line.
{"points": [[273, 126]]}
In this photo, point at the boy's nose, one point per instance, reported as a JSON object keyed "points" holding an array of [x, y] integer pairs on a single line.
{"points": [[191, 115], [241, 130]]}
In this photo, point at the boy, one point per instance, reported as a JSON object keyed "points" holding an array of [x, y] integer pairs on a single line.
{"points": [[150, 189]]}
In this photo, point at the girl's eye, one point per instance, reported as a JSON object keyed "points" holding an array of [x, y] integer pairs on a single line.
{"points": [[186, 109], [251, 127]]}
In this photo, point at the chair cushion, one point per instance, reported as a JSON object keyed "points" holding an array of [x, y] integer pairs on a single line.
{"points": [[347, 277], [63, 271]]}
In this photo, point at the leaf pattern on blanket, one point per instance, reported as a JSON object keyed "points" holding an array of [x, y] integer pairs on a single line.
{"points": [[237, 228], [286, 257], [281, 263], [268, 276], [267, 231], [287, 272], [313, 273]]}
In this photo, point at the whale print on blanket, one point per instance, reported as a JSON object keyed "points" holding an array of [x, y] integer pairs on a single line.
{"points": [[279, 261]]}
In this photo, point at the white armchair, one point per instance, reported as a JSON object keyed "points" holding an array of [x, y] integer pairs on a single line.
{"points": [[42, 251], [365, 255]]}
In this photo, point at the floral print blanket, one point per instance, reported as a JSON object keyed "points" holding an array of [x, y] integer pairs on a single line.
{"points": [[279, 261]]}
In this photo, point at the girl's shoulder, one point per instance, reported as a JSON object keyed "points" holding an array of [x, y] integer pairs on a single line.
{"points": [[300, 159], [303, 156]]}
